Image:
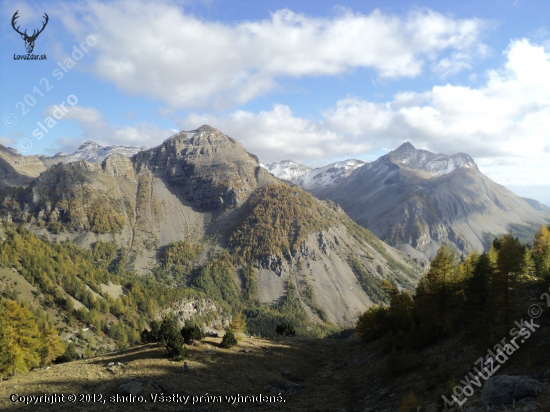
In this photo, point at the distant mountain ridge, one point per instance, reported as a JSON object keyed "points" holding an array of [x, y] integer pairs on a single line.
{"points": [[536, 204], [417, 201], [93, 153], [309, 178], [19, 170]]}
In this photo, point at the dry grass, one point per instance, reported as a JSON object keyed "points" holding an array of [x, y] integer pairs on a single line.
{"points": [[332, 375], [250, 368]]}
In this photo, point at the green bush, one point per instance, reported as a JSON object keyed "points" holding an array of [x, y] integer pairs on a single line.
{"points": [[170, 337], [191, 332], [152, 335], [69, 355], [175, 348], [228, 340]]}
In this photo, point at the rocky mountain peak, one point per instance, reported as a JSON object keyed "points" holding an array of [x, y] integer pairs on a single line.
{"points": [[208, 129], [462, 158], [209, 136], [203, 136], [89, 145], [405, 147], [427, 164], [210, 168]]}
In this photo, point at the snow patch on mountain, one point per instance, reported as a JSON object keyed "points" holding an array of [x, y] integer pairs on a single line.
{"points": [[95, 153], [410, 158], [309, 178], [328, 175], [286, 169]]}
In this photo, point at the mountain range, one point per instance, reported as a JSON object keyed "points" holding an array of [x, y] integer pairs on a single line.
{"points": [[413, 199], [18, 170], [204, 188], [417, 200]]}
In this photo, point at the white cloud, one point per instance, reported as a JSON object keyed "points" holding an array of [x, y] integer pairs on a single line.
{"points": [[504, 124], [156, 50], [96, 128], [6, 141], [88, 117], [278, 134]]}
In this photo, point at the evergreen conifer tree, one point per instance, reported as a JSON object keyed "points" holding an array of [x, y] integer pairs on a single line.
{"points": [[52, 346], [505, 287]]}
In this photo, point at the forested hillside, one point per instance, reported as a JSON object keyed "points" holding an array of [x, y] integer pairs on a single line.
{"points": [[476, 300]]}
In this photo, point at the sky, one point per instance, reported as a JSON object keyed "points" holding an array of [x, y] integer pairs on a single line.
{"points": [[312, 81]]}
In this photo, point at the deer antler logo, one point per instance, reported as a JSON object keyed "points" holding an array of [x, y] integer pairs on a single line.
{"points": [[29, 40]]}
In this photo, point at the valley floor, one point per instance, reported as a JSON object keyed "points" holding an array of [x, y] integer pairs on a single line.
{"points": [[311, 375], [307, 373]]}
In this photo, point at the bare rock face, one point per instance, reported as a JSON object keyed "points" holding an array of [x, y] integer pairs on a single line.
{"points": [[504, 389], [324, 279], [118, 165], [17, 170], [208, 168], [193, 308]]}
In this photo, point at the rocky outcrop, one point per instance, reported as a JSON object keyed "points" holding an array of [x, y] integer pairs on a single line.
{"points": [[118, 165], [504, 389], [205, 311], [323, 278]]}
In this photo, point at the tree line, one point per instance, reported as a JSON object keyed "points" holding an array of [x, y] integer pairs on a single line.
{"points": [[479, 295]]}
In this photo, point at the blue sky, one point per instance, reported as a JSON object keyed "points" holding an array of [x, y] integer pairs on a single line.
{"points": [[313, 81]]}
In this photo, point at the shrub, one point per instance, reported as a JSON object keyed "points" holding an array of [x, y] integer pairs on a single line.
{"points": [[69, 355], [152, 335], [285, 329], [175, 348], [228, 340], [191, 332]]}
